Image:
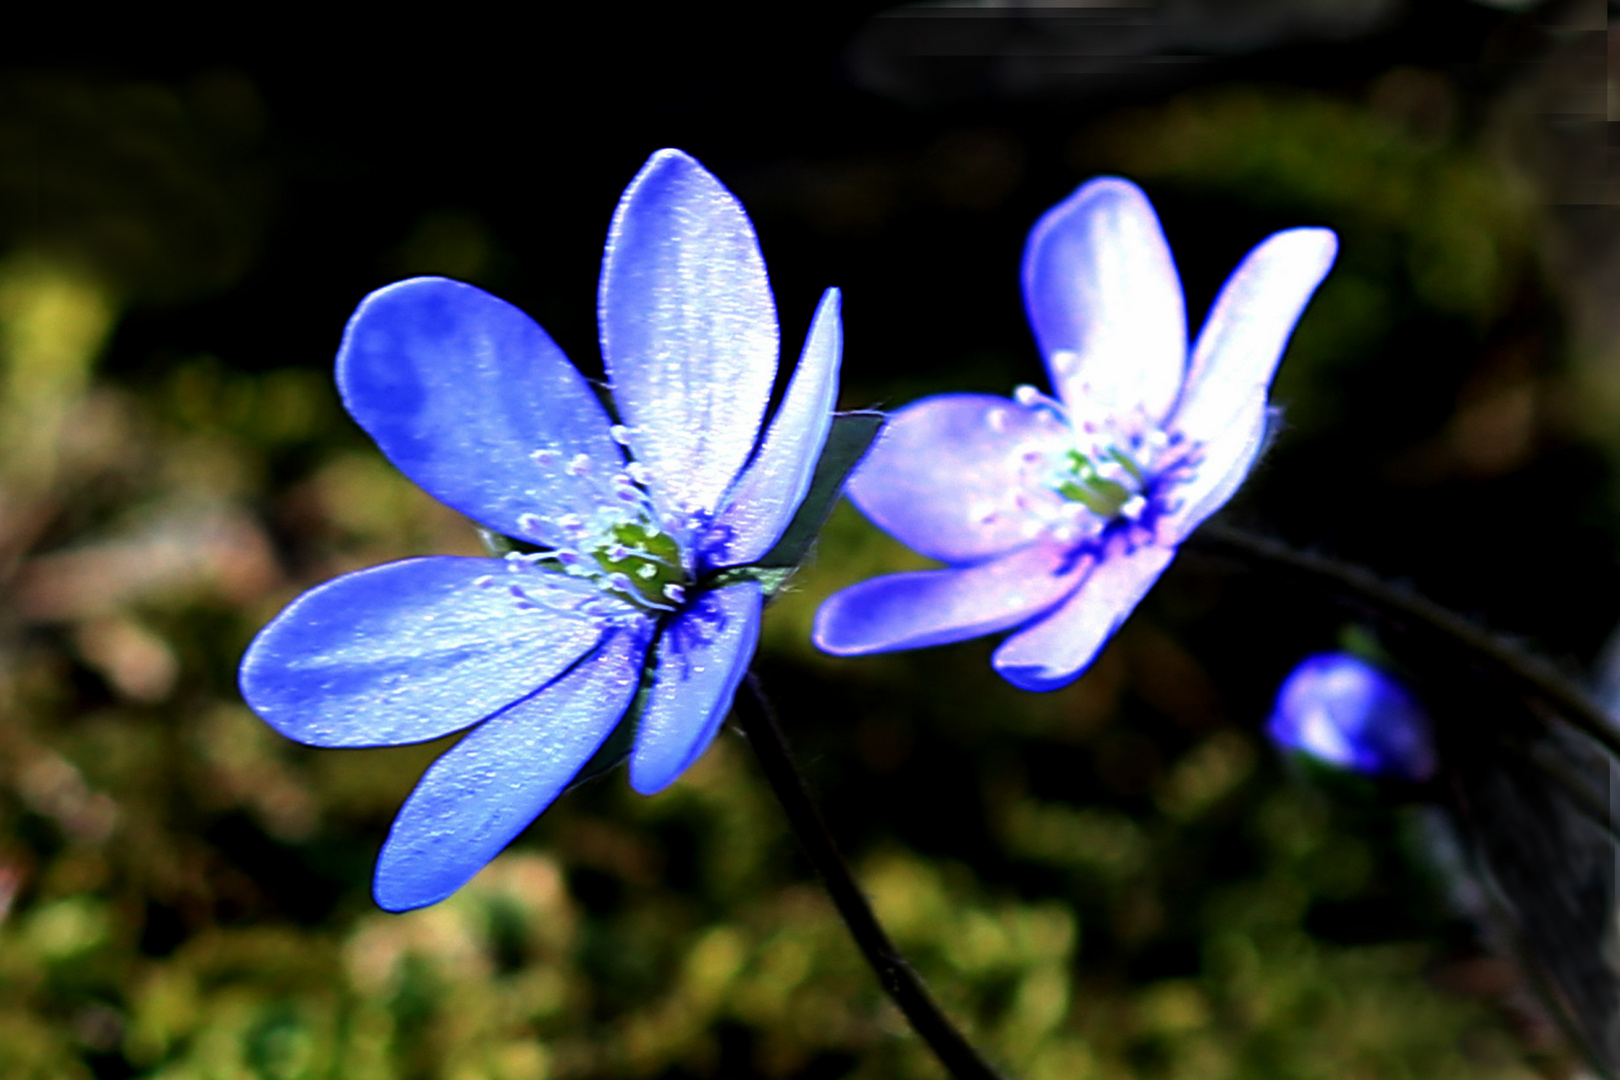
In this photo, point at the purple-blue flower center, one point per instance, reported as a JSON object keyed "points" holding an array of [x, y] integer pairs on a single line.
{"points": [[1083, 479]]}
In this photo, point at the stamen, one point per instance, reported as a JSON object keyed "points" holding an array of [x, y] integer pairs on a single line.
{"points": [[620, 433]]}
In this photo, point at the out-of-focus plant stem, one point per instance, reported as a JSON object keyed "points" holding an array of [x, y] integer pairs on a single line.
{"points": [[1529, 676], [894, 972]]}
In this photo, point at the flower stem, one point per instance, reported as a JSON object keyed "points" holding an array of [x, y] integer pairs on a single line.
{"points": [[1530, 676], [894, 972]]}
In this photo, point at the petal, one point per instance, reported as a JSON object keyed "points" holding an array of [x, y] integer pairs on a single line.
{"points": [[1054, 651], [1222, 468], [461, 390], [1248, 327], [413, 650], [762, 504], [1105, 303], [944, 476], [492, 784], [933, 607], [688, 330], [702, 656]]}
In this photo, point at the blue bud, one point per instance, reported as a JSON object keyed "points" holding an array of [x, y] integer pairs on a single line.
{"points": [[1341, 710]]}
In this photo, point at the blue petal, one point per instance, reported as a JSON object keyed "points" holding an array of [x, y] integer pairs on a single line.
{"points": [[1057, 648], [492, 784], [702, 657], [1342, 710], [1224, 464], [933, 607], [461, 390], [944, 476], [762, 504], [1248, 327], [413, 650], [688, 329], [1105, 303]]}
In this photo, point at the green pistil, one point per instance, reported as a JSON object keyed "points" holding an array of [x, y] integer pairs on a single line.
{"points": [[651, 562], [1097, 493], [1124, 461]]}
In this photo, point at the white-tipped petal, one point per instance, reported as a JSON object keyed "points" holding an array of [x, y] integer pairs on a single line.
{"points": [[1105, 302], [1248, 328], [703, 655], [946, 475], [489, 786], [1053, 651], [936, 607], [1223, 466], [770, 490], [689, 332]]}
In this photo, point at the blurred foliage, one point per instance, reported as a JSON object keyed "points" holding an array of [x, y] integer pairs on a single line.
{"points": [[155, 189], [1431, 224], [1114, 880]]}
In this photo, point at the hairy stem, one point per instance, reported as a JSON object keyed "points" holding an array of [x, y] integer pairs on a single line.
{"points": [[1528, 675], [897, 976]]}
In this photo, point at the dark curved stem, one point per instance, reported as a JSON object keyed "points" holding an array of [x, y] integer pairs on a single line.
{"points": [[1530, 676], [899, 980]]}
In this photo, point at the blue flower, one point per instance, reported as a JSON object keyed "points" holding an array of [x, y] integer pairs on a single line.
{"points": [[1340, 709], [545, 651], [1056, 515]]}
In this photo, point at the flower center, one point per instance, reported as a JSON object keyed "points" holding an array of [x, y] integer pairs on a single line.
{"points": [[1107, 486], [1082, 476], [620, 547], [637, 554]]}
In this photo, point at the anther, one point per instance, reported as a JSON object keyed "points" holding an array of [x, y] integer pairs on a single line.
{"points": [[580, 465], [544, 458], [620, 433], [675, 593]]}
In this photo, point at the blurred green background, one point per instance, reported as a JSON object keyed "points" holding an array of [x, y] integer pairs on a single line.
{"points": [[1115, 880]]}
